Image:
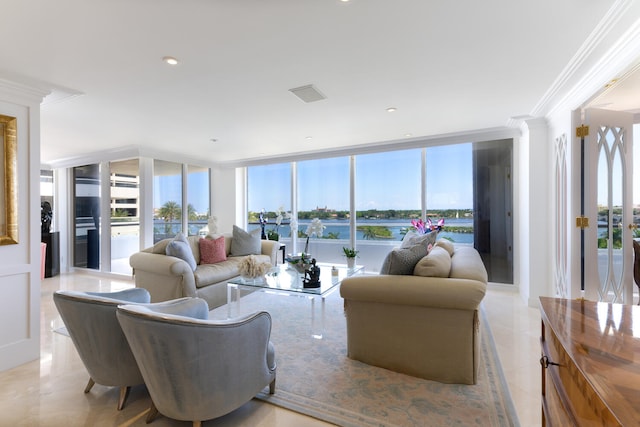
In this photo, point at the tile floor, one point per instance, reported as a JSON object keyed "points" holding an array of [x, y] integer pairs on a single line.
{"points": [[48, 391]]}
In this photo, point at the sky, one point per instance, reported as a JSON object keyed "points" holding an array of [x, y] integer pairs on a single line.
{"points": [[169, 188], [389, 180]]}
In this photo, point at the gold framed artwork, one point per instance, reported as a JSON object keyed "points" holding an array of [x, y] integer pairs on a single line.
{"points": [[8, 175]]}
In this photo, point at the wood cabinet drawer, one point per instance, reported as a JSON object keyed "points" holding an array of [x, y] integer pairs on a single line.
{"points": [[588, 378]]}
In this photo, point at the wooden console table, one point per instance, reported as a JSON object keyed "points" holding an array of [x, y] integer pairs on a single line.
{"points": [[590, 363]]}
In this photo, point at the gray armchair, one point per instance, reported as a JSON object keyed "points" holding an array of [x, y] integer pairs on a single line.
{"points": [[197, 369], [90, 319]]}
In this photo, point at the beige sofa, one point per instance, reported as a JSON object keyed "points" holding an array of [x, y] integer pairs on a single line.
{"points": [[167, 277], [426, 327]]}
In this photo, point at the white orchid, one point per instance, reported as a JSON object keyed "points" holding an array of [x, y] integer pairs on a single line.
{"points": [[315, 228], [281, 214]]}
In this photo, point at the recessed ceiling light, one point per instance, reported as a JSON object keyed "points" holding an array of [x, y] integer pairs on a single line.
{"points": [[408, 135], [170, 60], [391, 109], [308, 138]]}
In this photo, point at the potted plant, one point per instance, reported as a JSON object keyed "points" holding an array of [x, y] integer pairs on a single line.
{"points": [[351, 255]]}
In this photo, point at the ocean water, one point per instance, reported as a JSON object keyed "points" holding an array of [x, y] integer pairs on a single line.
{"points": [[397, 227]]}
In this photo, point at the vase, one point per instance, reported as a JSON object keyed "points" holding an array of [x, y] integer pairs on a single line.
{"points": [[351, 262]]}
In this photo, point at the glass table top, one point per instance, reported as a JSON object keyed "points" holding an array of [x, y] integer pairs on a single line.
{"points": [[284, 277]]}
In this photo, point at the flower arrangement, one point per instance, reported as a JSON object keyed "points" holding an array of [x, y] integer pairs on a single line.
{"points": [[281, 214], [423, 228], [251, 268], [315, 228]]}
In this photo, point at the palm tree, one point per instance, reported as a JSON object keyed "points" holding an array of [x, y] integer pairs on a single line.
{"points": [[169, 212], [368, 232], [191, 212]]}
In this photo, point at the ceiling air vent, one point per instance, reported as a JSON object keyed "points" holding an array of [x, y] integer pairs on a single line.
{"points": [[307, 93]]}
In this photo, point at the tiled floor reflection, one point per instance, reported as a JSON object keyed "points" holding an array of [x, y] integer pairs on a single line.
{"points": [[49, 391]]}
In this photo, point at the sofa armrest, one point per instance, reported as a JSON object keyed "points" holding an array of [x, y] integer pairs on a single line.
{"points": [[164, 276], [437, 292], [160, 264], [270, 248]]}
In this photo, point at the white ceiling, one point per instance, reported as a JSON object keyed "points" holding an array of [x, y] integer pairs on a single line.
{"points": [[446, 66]]}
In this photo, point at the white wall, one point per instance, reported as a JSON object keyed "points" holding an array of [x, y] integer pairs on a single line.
{"points": [[20, 263], [227, 197]]}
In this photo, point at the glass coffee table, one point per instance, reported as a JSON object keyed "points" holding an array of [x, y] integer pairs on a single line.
{"points": [[285, 280]]}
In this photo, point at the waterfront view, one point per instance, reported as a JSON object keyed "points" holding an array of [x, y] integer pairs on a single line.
{"points": [[389, 225]]}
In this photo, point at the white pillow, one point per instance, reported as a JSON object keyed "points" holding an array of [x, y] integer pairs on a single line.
{"points": [[447, 244], [437, 263]]}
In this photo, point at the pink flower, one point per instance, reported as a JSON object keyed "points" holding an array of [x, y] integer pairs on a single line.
{"points": [[422, 227], [419, 225]]}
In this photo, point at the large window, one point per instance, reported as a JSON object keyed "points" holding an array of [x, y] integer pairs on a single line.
{"points": [[449, 190], [269, 192], [388, 194], [469, 185], [323, 193], [198, 199], [167, 199]]}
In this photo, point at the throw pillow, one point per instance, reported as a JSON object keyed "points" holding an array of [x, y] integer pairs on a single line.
{"points": [[243, 243], [447, 244], [212, 250], [437, 263], [412, 238], [179, 247], [403, 260]]}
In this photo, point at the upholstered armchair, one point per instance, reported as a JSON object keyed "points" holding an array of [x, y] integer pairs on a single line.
{"points": [[90, 319], [197, 369]]}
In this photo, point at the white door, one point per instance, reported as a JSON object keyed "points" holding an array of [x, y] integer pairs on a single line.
{"points": [[608, 198]]}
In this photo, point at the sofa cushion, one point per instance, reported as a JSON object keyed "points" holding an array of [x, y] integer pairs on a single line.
{"points": [[466, 263], [209, 274], [194, 244], [446, 244], [403, 260], [212, 250], [412, 238], [244, 243], [179, 247], [437, 263]]}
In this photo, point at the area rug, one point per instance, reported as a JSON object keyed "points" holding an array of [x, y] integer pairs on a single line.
{"points": [[316, 378]]}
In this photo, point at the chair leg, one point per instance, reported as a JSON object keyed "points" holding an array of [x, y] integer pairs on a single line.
{"points": [[124, 393], [272, 386], [90, 384], [153, 413], [197, 423]]}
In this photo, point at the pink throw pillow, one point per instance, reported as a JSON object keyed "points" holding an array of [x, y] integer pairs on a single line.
{"points": [[212, 250]]}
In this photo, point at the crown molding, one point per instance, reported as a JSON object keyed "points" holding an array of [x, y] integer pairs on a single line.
{"points": [[22, 93], [124, 153], [563, 92]]}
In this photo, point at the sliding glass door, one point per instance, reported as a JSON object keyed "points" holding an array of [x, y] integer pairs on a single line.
{"points": [[124, 186]]}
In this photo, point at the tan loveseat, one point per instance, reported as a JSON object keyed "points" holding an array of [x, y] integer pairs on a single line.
{"points": [[167, 277], [426, 327]]}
